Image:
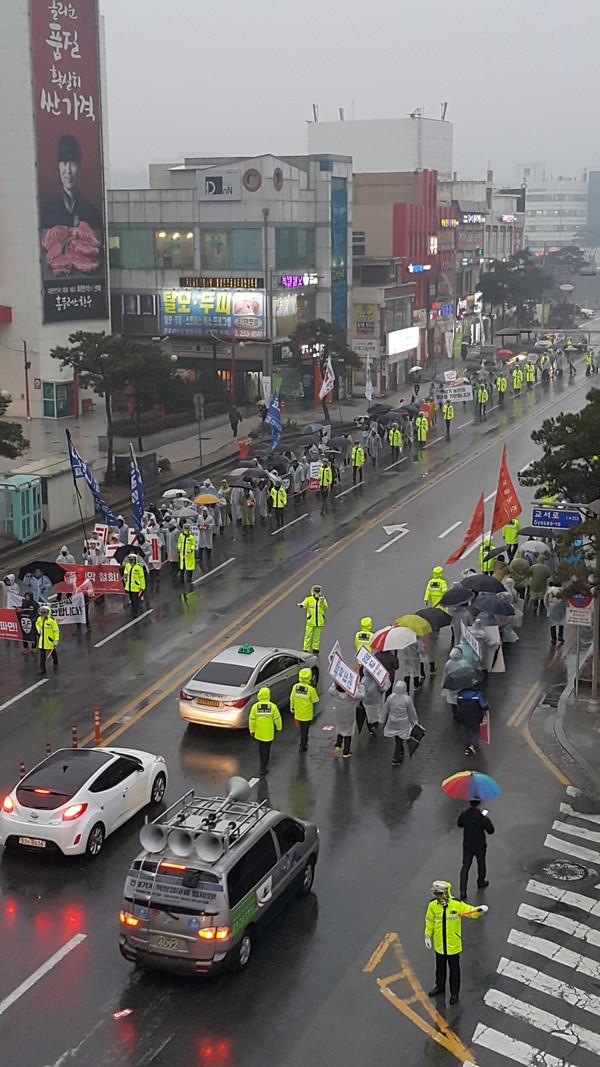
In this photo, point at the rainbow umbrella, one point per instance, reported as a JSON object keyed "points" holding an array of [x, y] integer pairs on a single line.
{"points": [[470, 785]]}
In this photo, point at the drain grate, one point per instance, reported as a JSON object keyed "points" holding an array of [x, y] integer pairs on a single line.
{"points": [[566, 872], [552, 696]]}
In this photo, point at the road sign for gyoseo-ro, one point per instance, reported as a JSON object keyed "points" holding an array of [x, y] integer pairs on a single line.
{"points": [[557, 518]]}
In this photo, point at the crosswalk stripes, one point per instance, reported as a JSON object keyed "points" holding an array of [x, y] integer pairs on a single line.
{"points": [[547, 992]]}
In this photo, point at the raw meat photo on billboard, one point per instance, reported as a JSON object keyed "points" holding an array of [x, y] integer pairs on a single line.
{"points": [[68, 130]]}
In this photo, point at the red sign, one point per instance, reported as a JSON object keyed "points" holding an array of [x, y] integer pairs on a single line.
{"points": [[484, 729], [9, 625], [104, 579], [68, 132]]}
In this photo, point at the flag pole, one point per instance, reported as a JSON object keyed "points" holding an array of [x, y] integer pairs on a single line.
{"points": [[77, 493]]}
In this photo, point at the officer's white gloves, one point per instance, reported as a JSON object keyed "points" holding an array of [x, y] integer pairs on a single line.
{"points": [[483, 908], [427, 941]]}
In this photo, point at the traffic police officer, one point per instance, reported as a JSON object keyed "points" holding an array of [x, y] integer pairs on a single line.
{"points": [[517, 380], [530, 373], [264, 720], [510, 534], [486, 566], [365, 635], [357, 459], [482, 399], [186, 544], [421, 426], [303, 698], [395, 439], [501, 384], [315, 606], [435, 588], [443, 920], [448, 415], [134, 581], [278, 504], [325, 480], [48, 637]]}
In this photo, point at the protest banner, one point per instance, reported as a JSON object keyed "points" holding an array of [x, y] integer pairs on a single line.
{"points": [[69, 610], [343, 675], [313, 476], [9, 625], [373, 666], [105, 578], [470, 639], [484, 729]]}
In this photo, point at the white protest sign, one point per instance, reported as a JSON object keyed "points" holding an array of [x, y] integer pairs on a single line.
{"points": [[69, 610], [470, 639], [154, 557], [335, 651], [101, 532], [455, 393], [13, 599], [373, 666], [450, 376], [343, 675]]}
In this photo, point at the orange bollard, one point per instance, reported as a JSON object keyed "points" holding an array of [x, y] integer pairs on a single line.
{"points": [[48, 748], [74, 735], [21, 769], [97, 725]]}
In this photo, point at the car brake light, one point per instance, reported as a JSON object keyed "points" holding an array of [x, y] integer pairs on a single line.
{"points": [[7, 804], [173, 867], [212, 933], [183, 695], [73, 812], [237, 703], [128, 919]]}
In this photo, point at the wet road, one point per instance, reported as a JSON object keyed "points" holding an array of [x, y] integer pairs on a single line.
{"points": [[386, 832]]}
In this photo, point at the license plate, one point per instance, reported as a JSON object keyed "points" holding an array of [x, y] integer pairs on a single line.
{"points": [[208, 703], [33, 842], [167, 942]]}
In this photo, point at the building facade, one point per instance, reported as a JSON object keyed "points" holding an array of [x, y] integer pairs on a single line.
{"points": [[226, 256], [384, 146], [555, 211], [53, 270]]}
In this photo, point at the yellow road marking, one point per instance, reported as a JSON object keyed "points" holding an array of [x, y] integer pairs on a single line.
{"points": [[438, 1029], [525, 731], [530, 697]]}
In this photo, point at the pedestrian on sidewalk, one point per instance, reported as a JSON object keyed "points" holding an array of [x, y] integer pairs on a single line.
{"points": [[448, 415], [373, 446], [443, 920], [556, 611], [398, 716], [263, 721], [48, 637], [303, 698], [475, 824], [470, 707], [234, 419], [540, 574]]}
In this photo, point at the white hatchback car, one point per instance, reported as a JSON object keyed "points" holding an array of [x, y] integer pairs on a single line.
{"points": [[76, 797]]}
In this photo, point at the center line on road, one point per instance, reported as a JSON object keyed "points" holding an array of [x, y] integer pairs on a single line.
{"points": [[13, 700], [291, 523], [395, 463], [214, 570], [489, 497], [349, 490], [450, 529], [41, 971], [139, 618]]}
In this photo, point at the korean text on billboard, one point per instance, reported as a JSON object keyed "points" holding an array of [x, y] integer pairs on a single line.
{"points": [[233, 313]]}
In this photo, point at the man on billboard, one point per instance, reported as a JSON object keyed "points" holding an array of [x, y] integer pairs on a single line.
{"points": [[72, 227]]}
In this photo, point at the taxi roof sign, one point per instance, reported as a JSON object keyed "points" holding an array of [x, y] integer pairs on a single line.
{"points": [[245, 650]]}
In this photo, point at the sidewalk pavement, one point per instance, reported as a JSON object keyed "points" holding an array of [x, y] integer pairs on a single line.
{"points": [[577, 726]]}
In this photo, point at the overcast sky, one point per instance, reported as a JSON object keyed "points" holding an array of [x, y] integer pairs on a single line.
{"points": [[189, 77]]}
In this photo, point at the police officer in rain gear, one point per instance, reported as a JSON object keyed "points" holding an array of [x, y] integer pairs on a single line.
{"points": [[448, 415], [134, 581], [435, 588], [501, 386], [365, 635], [264, 720], [315, 606], [48, 637], [303, 698], [510, 535], [187, 552], [443, 920]]}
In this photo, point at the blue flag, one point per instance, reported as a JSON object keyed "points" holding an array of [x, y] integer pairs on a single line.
{"points": [[273, 419], [81, 470], [137, 492]]}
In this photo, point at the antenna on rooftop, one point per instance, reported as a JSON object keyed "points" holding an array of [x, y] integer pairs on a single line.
{"points": [[315, 110]]}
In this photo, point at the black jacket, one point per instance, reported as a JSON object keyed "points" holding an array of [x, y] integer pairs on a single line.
{"points": [[475, 825]]}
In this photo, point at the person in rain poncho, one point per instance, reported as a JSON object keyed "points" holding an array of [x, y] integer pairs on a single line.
{"points": [[398, 717], [501, 569], [373, 446], [206, 529], [540, 575], [172, 539], [370, 694], [556, 610], [297, 478], [344, 718], [520, 571], [248, 510], [8, 582], [64, 556], [262, 501], [225, 513], [237, 500], [409, 664], [459, 613], [122, 530], [39, 584], [454, 662]]}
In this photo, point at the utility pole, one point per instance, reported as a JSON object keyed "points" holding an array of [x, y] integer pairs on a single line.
{"points": [[199, 406], [26, 366]]}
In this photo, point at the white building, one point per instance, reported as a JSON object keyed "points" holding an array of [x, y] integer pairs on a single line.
{"points": [[387, 145], [38, 313], [554, 212], [278, 228]]}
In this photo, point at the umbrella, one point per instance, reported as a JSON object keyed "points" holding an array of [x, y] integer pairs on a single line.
{"points": [[534, 546], [470, 785], [496, 552], [415, 623], [53, 571], [209, 498], [436, 617], [463, 678], [171, 494], [483, 583], [414, 370], [123, 551], [492, 604], [313, 427], [504, 353], [409, 409], [539, 531], [378, 409], [455, 596], [393, 638]]}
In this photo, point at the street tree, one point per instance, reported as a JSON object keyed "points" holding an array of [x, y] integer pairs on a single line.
{"points": [[320, 340], [111, 365], [12, 442], [570, 465]]}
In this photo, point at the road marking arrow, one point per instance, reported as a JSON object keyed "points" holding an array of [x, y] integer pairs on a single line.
{"points": [[400, 530]]}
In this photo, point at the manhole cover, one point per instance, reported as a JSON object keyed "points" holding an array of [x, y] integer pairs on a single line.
{"points": [[566, 872]]}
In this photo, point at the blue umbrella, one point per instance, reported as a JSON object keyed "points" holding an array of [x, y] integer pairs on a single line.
{"points": [[492, 604]]}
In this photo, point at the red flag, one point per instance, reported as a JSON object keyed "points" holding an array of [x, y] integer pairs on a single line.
{"points": [[475, 530], [507, 505]]}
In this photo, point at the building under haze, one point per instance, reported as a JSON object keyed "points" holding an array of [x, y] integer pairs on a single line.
{"points": [[555, 211], [226, 256], [387, 145]]}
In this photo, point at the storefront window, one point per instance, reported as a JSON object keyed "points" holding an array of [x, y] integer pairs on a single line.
{"points": [[294, 247], [175, 249], [398, 314], [131, 248], [246, 249], [215, 250]]}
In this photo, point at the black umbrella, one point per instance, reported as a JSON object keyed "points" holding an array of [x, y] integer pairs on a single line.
{"points": [[492, 604], [483, 583], [409, 409], [378, 409], [436, 617], [53, 571], [539, 531], [457, 595], [123, 551], [496, 552], [463, 678]]}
